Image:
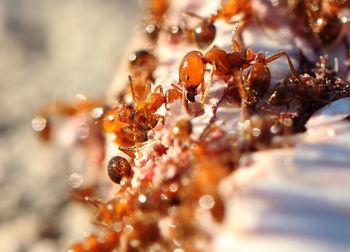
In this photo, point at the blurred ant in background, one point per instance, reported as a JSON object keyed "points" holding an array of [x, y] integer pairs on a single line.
{"points": [[155, 17], [142, 64], [323, 18], [203, 33]]}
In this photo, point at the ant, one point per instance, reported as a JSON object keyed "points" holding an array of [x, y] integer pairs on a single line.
{"points": [[230, 8], [173, 94], [322, 18], [142, 64], [308, 88], [203, 33], [155, 18], [42, 123], [131, 122], [227, 66]]}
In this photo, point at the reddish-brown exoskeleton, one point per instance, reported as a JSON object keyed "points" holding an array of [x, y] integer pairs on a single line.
{"points": [[131, 121], [230, 8], [142, 64], [203, 33], [322, 17], [229, 66], [155, 17]]}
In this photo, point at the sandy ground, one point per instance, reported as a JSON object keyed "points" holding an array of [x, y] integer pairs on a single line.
{"points": [[50, 49]]}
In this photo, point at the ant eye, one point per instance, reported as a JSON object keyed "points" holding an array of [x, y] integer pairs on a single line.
{"points": [[187, 77], [119, 167]]}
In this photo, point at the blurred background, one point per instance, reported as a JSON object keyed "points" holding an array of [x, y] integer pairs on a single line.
{"points": [[50, 50]]}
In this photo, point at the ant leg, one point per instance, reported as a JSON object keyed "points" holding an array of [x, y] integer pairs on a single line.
{"points": [[130, 151], [184, 99], [209, 84], [132, 89], [98, 223], [148, 89], [159, 89], [203, 91], [235, 45], [291, 66], [94, 202], [191, 14], [176, 87], [244, 95]]}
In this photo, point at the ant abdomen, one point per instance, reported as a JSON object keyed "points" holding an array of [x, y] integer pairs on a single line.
{"points": [[328, 29], [257, 83], [119, 168], [205, 33]]}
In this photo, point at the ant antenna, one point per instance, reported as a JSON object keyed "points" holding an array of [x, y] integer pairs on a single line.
{"points": [[148, 89], [132, 88], [235, 46]]}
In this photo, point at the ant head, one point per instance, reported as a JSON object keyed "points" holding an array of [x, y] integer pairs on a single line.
{"points": [[192, 69], [204, 33]]}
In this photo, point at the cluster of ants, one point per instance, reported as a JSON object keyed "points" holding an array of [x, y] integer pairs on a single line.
{"points": [[203, 34], [131, 218], [321, 17]]}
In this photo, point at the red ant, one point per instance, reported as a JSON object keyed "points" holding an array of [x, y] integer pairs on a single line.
{"points": [[154, 20], [204, 32], [142, 64], [42, 122], [322, 17], [230, 8], [131, 122], [229, 65], [305, 88]]}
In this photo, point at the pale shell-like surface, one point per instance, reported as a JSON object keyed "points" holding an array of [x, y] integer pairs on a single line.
{"points": [[295, 198]]}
